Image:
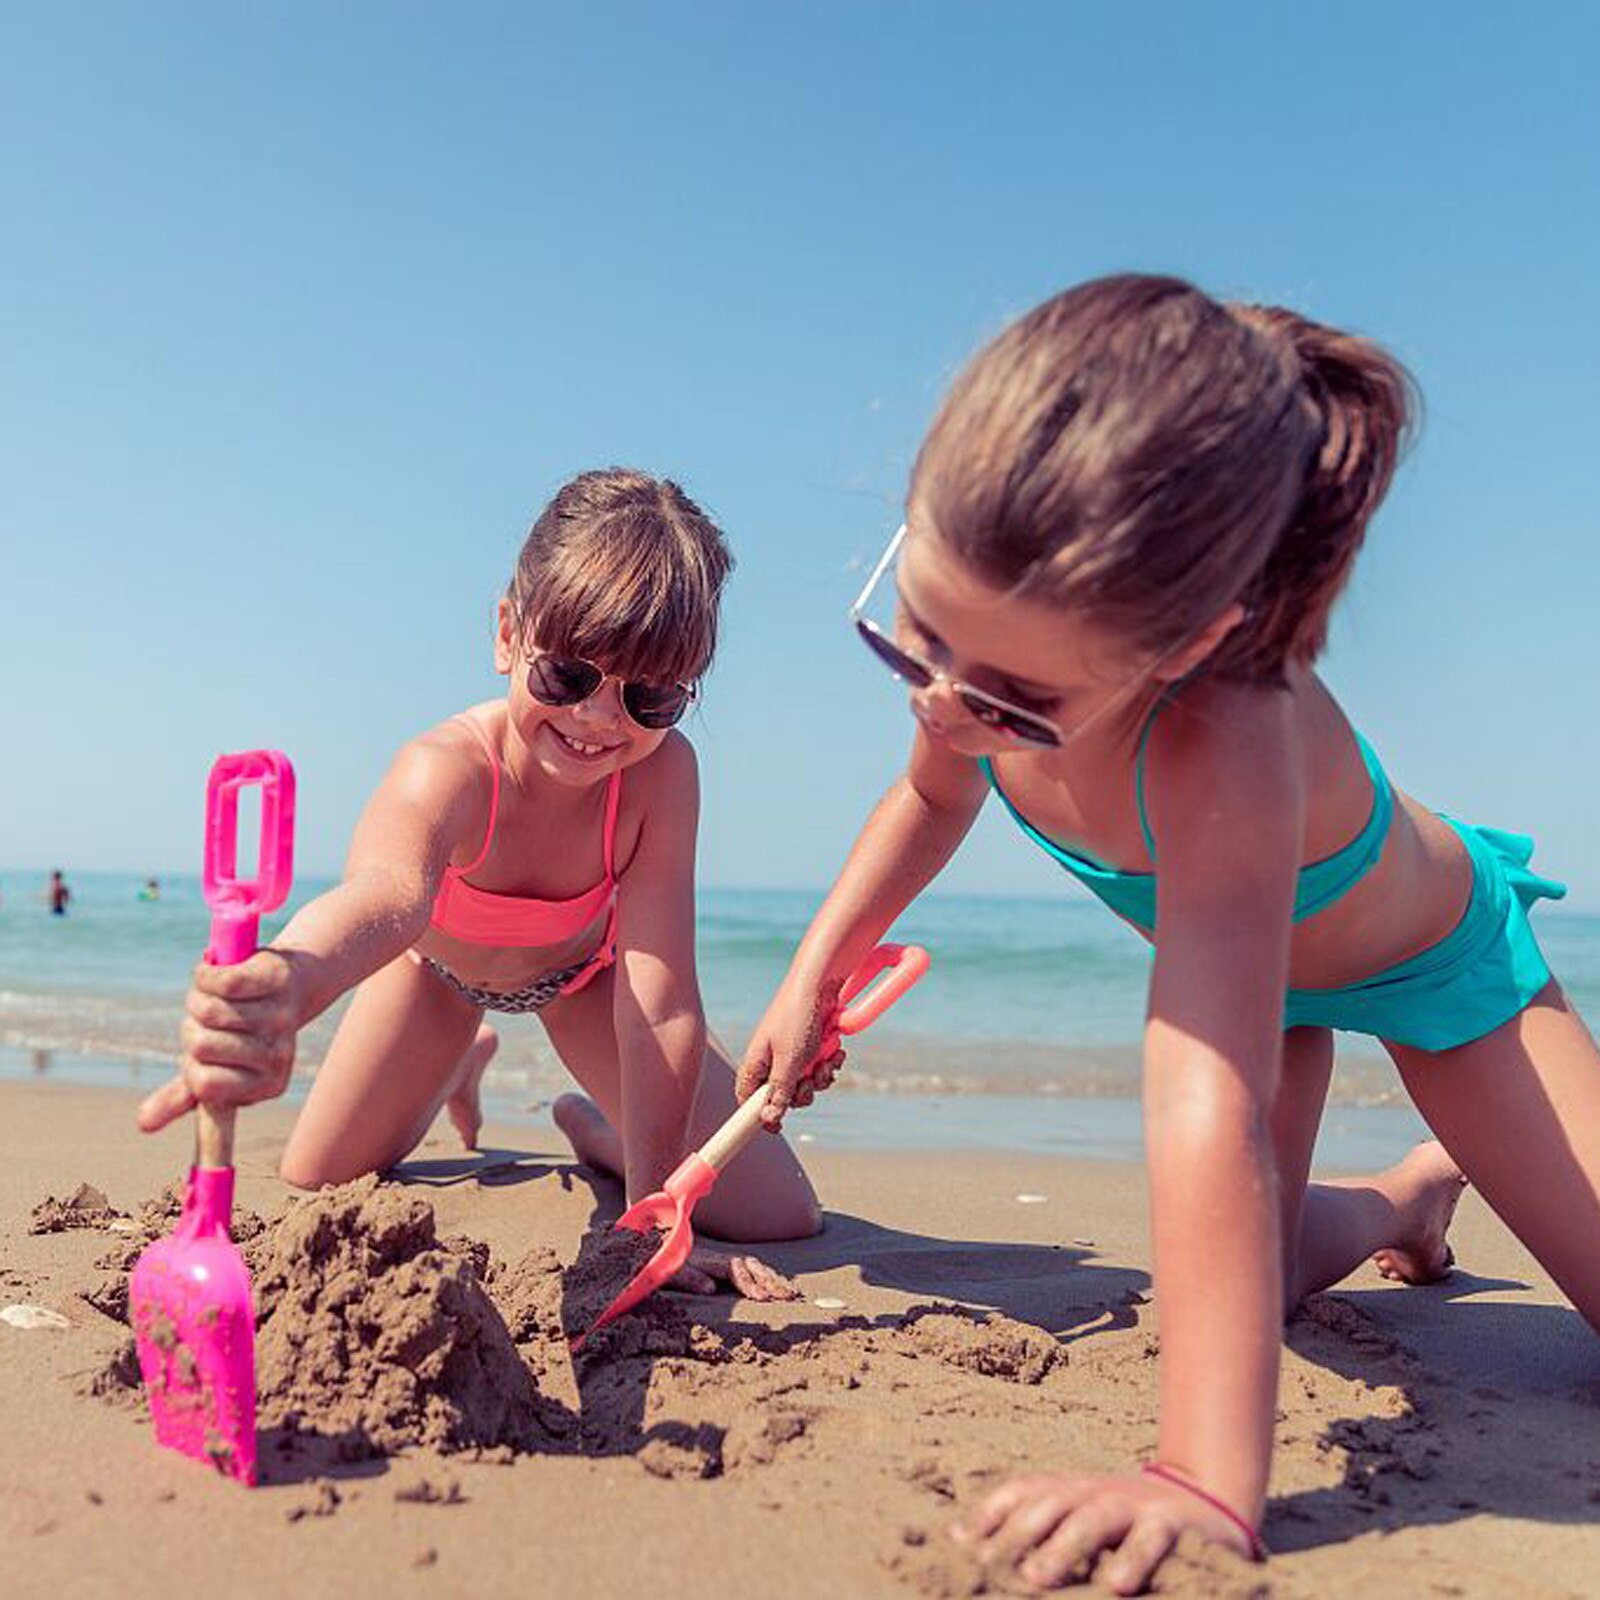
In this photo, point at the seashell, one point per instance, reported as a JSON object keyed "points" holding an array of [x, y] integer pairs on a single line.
{"points": [[29, 1317]]}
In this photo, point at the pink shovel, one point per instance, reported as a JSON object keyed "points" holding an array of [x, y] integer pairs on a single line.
{"points": [[898, 966], [189, 1296]]}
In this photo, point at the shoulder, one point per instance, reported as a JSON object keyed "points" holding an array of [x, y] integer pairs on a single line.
{"points": [[446, 770], [659, 812], [1206, 730], [669, 775], [1224, 783]]}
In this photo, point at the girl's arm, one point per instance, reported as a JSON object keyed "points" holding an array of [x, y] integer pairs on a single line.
{"points": [[909, 837], [241, 1021], [1227, 812], [434, 795], [660, 1023]]}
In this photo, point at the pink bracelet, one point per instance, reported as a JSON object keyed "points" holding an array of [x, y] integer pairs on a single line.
{"points": [[1158, 1469]]}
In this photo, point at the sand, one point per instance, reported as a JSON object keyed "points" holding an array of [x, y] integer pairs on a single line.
{"points": [[424, 1424]]}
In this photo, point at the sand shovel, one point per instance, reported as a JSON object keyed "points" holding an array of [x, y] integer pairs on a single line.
{"points": [[898, 967], [189, 1297]]}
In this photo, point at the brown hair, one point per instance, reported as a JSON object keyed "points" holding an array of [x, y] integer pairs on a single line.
{"points": [[1137, 449], [624, 570]]}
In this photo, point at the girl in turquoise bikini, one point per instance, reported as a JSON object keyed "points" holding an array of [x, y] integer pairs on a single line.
{"points": [[1124, 536]]}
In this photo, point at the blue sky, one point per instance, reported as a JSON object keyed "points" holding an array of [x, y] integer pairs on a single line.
{"points": [[306, 310]]}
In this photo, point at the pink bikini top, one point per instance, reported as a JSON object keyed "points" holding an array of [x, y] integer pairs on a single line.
{"points": [[477, 916]]}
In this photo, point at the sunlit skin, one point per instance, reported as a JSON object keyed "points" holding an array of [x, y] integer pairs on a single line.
{"points": [[409, 1045], [1244, 785]]}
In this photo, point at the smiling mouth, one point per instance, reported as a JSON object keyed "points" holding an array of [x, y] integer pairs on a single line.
{"points": [[580, 747]]}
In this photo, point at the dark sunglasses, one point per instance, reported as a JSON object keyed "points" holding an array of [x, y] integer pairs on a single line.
{"points": [[985, 708], [988, 709], [566, 681]]}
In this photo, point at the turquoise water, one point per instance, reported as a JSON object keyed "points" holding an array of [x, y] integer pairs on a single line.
{"points": [[1032, 1008]]}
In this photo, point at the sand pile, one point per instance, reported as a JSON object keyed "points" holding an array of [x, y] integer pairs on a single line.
{"points": [[375, 1334], [994, 1347], [85, 1207]]}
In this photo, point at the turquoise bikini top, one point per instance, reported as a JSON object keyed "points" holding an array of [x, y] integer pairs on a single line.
{"points": [[1132, 895]]}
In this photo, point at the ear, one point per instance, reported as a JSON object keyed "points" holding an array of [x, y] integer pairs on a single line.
{"points": [[506, 643], [1187, 659]]}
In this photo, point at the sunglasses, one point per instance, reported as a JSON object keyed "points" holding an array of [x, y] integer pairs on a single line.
{"points": [[566, 681], [986, 708]]}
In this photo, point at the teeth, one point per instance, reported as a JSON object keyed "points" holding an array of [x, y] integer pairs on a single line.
{"points": [[578, 745]]}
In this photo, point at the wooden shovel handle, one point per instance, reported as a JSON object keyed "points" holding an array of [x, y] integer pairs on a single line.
{"points": [[736, 1132], [213, 1135]]}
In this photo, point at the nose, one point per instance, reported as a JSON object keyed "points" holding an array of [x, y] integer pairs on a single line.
{"points": [[941, 702], [603, 709], [937, 705]]}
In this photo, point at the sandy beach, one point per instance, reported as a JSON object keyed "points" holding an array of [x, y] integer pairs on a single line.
{"points": [[966, 1315]]}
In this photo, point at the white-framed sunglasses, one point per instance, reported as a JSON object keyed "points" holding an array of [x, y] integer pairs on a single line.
{"points": [[989, 709]]}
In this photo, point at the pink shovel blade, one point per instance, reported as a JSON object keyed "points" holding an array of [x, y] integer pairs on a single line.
{"points": [[669, 1209], [194, 1323]]}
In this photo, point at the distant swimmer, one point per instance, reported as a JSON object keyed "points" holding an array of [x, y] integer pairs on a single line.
{"points": [[151, 889], [58, 894]]}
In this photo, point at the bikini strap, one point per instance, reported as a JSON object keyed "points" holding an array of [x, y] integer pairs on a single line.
{"points": [[609, 838], [494, 794], [1138, 771]]}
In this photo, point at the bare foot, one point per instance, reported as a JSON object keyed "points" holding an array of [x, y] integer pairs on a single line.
{"points": [[594, 1141], [463, 1105], [1422, 1254]]}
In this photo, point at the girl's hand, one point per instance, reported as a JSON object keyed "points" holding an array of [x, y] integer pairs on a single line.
{"points": [[1054, 1528], [750, 1276], [783, 1050], [238, 1037]]}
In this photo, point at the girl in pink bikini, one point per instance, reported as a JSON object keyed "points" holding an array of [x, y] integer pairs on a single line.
{"points": [[532, 854]]}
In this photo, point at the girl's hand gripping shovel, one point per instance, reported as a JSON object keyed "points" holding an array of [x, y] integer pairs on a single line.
{"points": [[669, 1208], [189, 1296]]}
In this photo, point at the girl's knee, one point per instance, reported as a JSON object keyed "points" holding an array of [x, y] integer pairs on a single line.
{"points": [[303, 1167], [301, 1172], [789, 1210], [807, 1217]]}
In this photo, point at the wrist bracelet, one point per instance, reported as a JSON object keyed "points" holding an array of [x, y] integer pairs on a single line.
{"points": [[1159, 1469]]}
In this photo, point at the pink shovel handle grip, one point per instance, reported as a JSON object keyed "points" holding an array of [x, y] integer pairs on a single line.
{"points": [[878, 982], [233, 899], [883, 976]]}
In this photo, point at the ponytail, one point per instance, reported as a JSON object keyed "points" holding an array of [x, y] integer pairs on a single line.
{"points": [[1138, 452], [1362, 405]]}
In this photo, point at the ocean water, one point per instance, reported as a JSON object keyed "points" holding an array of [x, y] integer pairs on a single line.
{"points": [[1025, 1033]]}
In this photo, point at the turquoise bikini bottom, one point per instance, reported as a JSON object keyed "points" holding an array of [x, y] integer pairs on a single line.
{"points": [[1476, 978]]}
